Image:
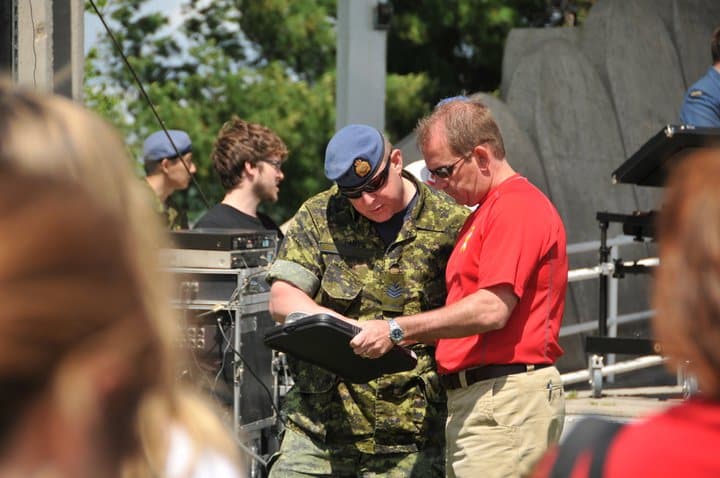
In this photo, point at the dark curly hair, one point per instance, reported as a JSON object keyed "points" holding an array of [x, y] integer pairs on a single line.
{"points": [[239, 142]]}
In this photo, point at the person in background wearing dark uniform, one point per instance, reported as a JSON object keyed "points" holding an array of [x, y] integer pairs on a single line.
{"points": [[497, 337], [701, 106], [373, 246], [167, 172], [248, 158]]}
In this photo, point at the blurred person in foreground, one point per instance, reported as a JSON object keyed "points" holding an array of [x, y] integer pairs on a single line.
{"points": [[372, 246], [498, 334], [78, 354], [168, 168], [683, 439], [80, 147], [248, 157]]}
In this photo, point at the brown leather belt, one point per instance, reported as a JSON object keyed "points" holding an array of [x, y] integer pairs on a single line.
{"points": [[455, 380]]}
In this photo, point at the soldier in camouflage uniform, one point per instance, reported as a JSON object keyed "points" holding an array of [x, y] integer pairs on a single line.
{"points": [[168, 167], [374, 246], [168, 213]]}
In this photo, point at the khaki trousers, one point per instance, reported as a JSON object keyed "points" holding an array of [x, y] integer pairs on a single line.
{"points": [[501, 426]]}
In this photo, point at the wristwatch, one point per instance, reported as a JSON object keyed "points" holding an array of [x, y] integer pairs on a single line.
{"points": [[396, 332]]}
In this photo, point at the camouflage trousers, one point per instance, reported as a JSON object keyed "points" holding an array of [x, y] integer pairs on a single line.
{"points": [[300, 456]]}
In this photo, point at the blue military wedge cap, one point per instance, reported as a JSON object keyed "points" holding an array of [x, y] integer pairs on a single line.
{"points": [[157, 146], [353, 155]]}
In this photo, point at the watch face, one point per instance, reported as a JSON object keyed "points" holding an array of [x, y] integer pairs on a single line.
{"points": [[396, 335]]}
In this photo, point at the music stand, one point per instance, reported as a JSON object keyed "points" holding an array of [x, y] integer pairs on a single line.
{"points": [[649, 165]]}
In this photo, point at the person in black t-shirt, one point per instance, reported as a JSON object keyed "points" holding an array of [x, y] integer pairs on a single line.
{"points": [[248, 158]]}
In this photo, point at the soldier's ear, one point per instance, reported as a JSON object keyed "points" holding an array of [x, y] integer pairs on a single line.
{"points": [[396, 158], [164, 165]]}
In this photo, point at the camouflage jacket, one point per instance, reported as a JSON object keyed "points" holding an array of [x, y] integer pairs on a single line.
{"points": [[333, 254], [169, 214]]}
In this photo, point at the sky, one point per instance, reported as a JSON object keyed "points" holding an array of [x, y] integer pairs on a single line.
{"points": [[94, 28]]}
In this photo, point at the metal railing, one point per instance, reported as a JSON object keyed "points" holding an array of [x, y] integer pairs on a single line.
{"points": [[607, 270]]}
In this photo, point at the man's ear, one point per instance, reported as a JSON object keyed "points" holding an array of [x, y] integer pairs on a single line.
{"points": [[164, 165], [250, 169], [481, 153], [396, 158]]}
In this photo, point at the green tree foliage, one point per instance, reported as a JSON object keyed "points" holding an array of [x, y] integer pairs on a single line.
{"points": [[273, 62], [298, 33], [467, 40]]}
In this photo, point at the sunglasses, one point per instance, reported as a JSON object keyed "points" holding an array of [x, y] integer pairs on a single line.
{"points": [[444, 172], [371, 186]]}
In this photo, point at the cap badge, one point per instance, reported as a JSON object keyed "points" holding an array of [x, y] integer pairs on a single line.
{"points": [[361, 167], [696, 93]]}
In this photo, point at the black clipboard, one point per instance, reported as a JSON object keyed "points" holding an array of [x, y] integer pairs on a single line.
{"points": [[324, 340]]}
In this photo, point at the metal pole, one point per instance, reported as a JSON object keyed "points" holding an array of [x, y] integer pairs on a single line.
{"points": [[618, 368], [35, 44], [237, 370], [361, 65], [612, 308], [603, 292]]}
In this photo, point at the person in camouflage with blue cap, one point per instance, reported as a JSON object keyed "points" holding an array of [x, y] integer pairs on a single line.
{"points": [[167, 159], [373, 246]]}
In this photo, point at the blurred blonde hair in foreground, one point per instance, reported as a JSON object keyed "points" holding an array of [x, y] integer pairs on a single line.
{"points": [[50, 135], [77, 357], [687, 284]]}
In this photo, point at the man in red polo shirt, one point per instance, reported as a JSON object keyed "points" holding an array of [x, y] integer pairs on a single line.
{"points": [[497, 335]]}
